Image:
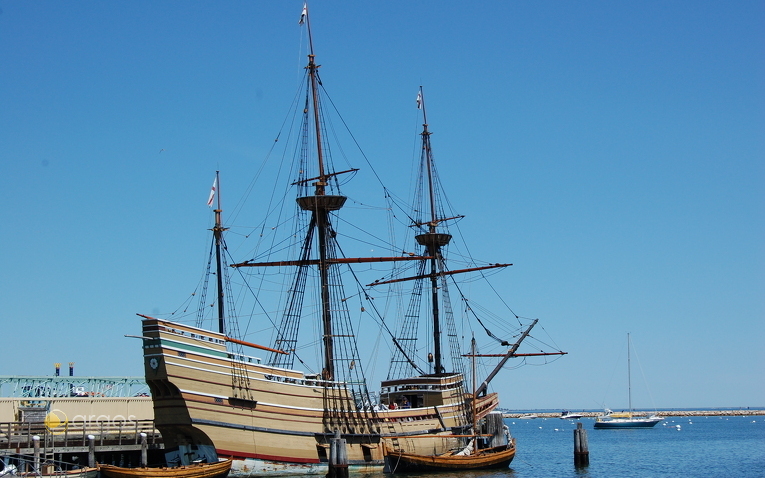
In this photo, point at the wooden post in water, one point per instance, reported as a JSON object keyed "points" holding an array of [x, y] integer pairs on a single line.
{"points": [[338, 457], [581, 450], [36, 444], [495, 426], [144, 451], [91, 451]]}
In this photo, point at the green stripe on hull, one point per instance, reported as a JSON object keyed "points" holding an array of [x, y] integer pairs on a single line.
{"points": [[193, 348]]}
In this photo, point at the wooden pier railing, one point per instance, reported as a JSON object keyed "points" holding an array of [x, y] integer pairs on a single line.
{"points": [[72, 437]]}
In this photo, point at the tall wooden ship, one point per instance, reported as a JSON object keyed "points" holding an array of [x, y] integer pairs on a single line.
{"points": [[277, 414]]}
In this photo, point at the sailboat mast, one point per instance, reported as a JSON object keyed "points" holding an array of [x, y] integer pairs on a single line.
{"points": [[629, 375], [218, 233]]}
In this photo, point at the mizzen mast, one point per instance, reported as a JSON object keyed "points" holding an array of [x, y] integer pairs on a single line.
{"points": [[218, 234]]}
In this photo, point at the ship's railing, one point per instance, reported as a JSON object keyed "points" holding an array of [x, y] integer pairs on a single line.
{"points": [[310, 382], [366, 401], [112, 433]]}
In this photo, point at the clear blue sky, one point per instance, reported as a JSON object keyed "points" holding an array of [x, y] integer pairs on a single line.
{"points": [[613, 151]]}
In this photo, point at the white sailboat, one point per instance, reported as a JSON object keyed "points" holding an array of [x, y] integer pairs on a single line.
{"points": [[627, 419]]}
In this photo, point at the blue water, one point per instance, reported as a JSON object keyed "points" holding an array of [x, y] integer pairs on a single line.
{"points": [[701, 447]]}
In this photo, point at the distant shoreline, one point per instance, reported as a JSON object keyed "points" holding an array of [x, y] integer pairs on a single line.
{"points": [[667, 413]]}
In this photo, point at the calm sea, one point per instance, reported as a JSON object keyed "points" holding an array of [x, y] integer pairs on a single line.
{"points": [[699, 447]]}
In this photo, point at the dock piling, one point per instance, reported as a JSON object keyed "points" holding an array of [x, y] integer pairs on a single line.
{"points": [[581, 449], [36, 444], [144, 450], [338, 457], [91, 451]]}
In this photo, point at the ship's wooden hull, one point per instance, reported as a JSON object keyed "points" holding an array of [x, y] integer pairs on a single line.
{"points": [[202, 470], [209, 404], [497, 457]]}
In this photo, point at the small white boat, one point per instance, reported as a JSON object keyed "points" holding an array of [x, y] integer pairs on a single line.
{"points": [[566, 415], [529, 416]]}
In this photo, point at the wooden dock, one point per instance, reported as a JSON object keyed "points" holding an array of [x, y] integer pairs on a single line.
{"points": [[17, 438]]}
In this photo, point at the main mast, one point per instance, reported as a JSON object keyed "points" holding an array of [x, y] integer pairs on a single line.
{"points": [[319, 196], [320, 205]]}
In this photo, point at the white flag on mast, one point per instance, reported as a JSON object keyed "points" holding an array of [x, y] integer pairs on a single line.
{"points": [[419, 100], [303, 15], [212, 192]]}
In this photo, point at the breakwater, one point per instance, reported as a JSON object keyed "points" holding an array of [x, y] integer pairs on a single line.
{"points": [[665, 413]]}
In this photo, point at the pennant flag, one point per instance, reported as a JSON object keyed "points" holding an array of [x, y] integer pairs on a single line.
{"points": [[303, 15], [419, 100], [212, 192]]}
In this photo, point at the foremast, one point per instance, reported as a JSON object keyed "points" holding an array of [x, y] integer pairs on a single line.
{"points": [[434, 238]]}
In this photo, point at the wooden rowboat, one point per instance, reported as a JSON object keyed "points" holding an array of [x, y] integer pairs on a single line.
{"points": [[497, 457], [199, 470]]}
